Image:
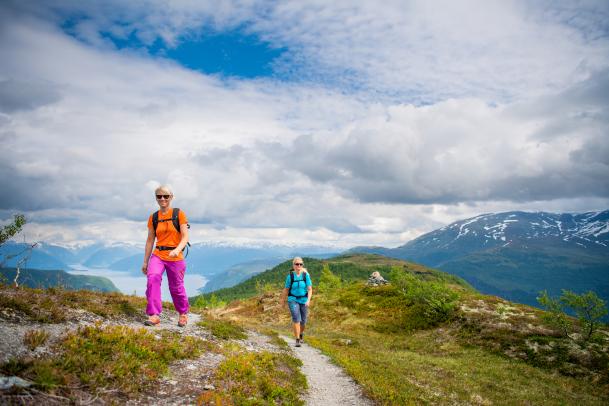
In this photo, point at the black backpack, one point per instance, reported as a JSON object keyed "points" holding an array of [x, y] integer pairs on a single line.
{"points": [[176, 224], [292, 281]]}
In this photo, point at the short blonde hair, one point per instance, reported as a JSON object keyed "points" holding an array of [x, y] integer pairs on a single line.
{"points": [[163, 188], [297, 259]]}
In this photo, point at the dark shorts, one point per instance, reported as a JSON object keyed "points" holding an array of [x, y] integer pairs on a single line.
{"points": [[299, 312]]}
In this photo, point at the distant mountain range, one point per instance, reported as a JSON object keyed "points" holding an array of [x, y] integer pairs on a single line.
{"points": [[207, 259], [517, 254]]}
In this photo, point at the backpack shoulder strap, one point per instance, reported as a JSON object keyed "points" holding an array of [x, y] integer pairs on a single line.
{"points": [[175, 218], [155, 220]]}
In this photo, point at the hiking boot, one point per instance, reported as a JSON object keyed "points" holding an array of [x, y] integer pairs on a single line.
{"points": [[183, 320], [302, 337], [298, 342], [153, 320]]}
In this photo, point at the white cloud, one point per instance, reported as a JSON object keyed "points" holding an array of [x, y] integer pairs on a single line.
{"points": [[98, 129]]}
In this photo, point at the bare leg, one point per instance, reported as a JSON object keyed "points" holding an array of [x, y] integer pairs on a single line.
{"points": [[296, 329]]}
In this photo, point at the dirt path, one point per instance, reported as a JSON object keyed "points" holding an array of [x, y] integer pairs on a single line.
{"points": [[329, 385]]}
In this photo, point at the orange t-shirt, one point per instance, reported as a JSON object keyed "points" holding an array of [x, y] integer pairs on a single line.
{"points": [[167, 235]]}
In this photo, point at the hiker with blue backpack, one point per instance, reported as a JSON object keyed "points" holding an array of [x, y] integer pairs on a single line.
{"points": [[169, 227], [298, 290]]}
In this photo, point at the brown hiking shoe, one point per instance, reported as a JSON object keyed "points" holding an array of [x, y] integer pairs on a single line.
{"points": [[183, 320], [153, 320]]}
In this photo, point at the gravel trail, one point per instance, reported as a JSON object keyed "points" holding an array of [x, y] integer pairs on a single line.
{"points": [[329, 385]]}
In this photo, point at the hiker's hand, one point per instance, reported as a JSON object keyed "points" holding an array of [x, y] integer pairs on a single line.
{"points": [[174, 253], [308, 303], [145, 269]]}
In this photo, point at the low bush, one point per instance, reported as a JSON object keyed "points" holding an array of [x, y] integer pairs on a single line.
{"points": [[261, 378], [223, 329], [433, 299]]}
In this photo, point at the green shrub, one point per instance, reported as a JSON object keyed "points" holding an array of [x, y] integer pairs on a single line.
{"points": [[223, 329], [434, 299], [262, 378], [328, 281], [211, 303]]}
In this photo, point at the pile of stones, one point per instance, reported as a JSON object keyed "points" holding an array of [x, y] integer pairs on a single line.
{"points": [[376, 279]]}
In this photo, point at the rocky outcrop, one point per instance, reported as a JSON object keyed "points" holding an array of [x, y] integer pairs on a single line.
{"points": [[376, 279]]}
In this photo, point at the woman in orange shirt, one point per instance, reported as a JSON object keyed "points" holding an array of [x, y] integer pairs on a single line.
{"points": [[167, 256]]}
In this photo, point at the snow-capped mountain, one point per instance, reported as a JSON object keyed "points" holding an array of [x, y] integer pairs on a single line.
{"points": [[518, 254], [515, 229]]}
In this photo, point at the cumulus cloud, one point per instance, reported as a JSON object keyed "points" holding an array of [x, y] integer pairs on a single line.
{"points": [[464, 150]]}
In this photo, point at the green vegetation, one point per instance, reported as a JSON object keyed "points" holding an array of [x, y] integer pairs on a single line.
{"points": [[207, 302], [223, 329], [55, 305], [588, 307], [35, 278], [328, 281], [115, 357], [427, 338], [12, 229], [257, 378], [517, 273], [434, 299], [349, 268]]}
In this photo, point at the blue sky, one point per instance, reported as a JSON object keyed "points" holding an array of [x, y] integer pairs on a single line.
{"points": [[339, 123], [230, 54]]}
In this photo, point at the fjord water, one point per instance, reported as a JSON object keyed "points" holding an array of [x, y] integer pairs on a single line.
{"points": [[129, 284]]}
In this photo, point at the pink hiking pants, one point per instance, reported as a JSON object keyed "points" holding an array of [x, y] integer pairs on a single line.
{"points": [[175, 277]]}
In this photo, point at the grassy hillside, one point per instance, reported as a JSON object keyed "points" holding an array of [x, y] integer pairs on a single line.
{"points": [[35, 278], [519, 274], [393, 341], [350, 267], [84, 347]]}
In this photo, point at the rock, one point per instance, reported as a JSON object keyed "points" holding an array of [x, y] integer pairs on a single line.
{"points": [[7, 382], [209, 387], [376, 279]]}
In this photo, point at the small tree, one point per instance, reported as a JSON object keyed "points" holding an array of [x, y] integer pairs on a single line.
{"points": [[588, 307], [328, 281], [555, 316], [12, 229], [6, 233]]}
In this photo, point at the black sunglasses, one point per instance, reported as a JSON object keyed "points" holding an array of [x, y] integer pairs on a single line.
{"points": [[166, 197], [298, 263]]}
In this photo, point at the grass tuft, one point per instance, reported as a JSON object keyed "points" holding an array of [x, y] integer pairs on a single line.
{"points": [[35, 338], [223, 329]]}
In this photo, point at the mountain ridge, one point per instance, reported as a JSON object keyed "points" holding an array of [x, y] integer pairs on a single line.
{"points": [[516, 254]]}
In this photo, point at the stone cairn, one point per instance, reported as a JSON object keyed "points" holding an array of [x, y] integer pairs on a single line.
{"points": [[376, 279]]}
